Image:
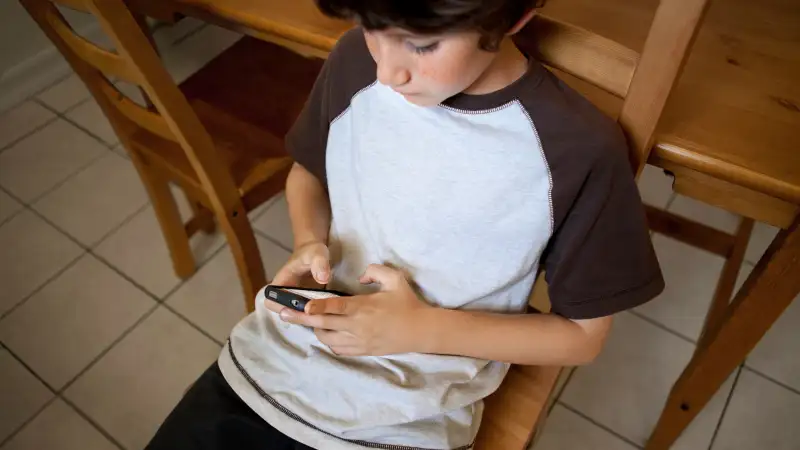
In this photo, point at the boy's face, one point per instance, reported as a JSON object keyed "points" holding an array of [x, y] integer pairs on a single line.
{"points": [[427, 70]]}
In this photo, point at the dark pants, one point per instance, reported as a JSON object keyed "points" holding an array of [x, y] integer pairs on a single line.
{"points": [[211, 416]]}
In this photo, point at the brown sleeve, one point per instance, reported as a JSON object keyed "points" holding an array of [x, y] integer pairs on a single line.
{"points": [[348, 69], [600, 259]]}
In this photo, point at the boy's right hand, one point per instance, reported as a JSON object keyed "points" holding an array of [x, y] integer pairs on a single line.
{"points": [[310, 263]]}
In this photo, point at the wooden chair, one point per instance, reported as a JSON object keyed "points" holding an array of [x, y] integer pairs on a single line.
{"points": [[631, 87], [211, 137]]}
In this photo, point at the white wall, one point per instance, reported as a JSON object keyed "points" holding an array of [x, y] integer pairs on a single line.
{"points": [[28, 61]]}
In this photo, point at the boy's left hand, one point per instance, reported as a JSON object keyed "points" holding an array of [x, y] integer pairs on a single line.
{"points": [[387, 322]]}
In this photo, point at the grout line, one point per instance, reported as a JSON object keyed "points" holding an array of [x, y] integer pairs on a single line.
{"points": [[17, 201], [91, 421], [769, 378], [188, 35], [725, 407], [85, 250], [272, 240], [29, 369], [564, 387], [192, 324], [36, 94], [600, 425], [105, 351], [671, 201], [71, 108], [663, 327], [28, 134], [66, 118], [46, 282], [27, 422], [33, 416], [116, 228], [69, 177]]}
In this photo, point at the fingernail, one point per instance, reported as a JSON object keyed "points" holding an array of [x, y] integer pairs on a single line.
{"points": [[285, 314]]}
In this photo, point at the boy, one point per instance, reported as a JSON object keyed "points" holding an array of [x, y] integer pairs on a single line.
{"points": [[437, 170]]}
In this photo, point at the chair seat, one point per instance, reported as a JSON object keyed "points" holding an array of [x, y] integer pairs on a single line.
{"points": [[512, 413], [247, 130]]}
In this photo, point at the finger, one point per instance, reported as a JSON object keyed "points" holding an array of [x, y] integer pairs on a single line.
{"points": [[290, 274], [327, 322], [321, 269], [335, 338], [387, 277], [332, 305]]}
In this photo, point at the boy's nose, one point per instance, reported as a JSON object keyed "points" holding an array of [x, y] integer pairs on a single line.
{"points": [[392, 74]]}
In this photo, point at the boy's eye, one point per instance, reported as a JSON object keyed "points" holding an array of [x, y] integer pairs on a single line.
{"points": [[421, 49]]}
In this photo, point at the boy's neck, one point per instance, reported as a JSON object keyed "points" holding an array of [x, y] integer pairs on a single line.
{"points": [[507, 67]]}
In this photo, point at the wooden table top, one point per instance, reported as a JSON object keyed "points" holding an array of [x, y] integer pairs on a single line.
{"points": [[736, 108]]}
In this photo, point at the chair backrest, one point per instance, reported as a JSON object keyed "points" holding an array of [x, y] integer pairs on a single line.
{"points": [[643, 81], [135, 60]]}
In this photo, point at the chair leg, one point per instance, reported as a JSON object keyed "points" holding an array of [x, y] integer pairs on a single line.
{"points": [[169, 218], [203, 219], [727, 280], [246, 255], [768, 291]]}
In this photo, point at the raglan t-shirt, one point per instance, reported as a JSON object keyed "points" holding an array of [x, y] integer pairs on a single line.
{"points": [[471, 199]]}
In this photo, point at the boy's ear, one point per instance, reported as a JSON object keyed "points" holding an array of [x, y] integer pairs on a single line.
{"points": [[522, 22]]}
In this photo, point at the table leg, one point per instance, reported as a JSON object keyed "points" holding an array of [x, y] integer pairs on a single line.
{"points": [[771, 287]]}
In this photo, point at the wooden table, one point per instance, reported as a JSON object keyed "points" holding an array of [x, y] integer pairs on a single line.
{"points": [[730, 133]]}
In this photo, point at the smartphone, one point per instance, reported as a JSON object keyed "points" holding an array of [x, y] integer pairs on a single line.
{"points": [[295, 297]]}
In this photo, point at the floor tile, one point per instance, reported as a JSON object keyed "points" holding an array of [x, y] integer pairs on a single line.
{"points": [[691, 276], [777, 354], [761, 415], [33, 252], [91, 118], [565, 430], [213, 299], [626, 387], [161, 357], [197, 50], [59, 427], [96, 200], [275, 222], [706, 214], [65, 94], [64, 326], [8, 206], [120, 150], [21, 120], [39, 162], [760, 239], [138, 250], [132, 91], [167, 35], [21, 394], [655, 187]]}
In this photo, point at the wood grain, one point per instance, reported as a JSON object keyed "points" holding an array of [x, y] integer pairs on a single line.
{"points": [[768, 291]]}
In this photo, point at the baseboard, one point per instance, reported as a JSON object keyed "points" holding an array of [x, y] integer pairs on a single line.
{"points": [[39, 71]]}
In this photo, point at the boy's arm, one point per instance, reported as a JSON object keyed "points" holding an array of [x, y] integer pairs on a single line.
{"points": [[309, 211], [309, 207], [535, 339], [396, 320]]}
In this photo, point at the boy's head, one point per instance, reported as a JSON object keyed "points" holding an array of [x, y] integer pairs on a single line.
{"points": [[430, 50]]}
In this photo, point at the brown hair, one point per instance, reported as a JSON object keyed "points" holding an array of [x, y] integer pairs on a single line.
{"points": [[491, 18]]}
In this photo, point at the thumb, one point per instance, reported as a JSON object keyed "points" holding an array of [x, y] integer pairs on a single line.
{"points": [[387, 277], [321, 269]]}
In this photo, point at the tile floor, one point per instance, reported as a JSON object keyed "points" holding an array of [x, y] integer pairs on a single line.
{"points": [[99, 337]]}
